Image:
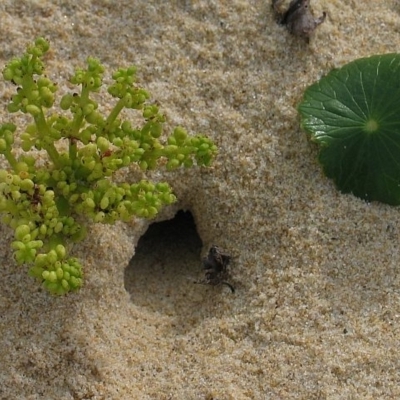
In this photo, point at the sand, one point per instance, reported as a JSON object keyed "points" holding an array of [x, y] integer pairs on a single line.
{"points": [[316, 311]]}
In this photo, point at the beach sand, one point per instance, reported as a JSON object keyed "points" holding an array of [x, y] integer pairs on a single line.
{"points": [[316, 311]]}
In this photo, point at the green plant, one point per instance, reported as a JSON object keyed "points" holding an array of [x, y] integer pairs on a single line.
{"points": [[48, 196], [353, 113]]}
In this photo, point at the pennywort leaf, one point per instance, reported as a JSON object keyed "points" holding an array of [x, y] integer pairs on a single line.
{"points": [[353, 113]]}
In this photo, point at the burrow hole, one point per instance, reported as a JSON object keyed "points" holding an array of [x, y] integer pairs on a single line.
{"points": [[166, 264]]}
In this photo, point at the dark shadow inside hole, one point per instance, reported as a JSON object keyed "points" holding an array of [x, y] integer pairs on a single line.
{"points": [[166, 264]]}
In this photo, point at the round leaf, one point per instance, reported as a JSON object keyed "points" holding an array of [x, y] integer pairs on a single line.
{"points": [[353, 113]]}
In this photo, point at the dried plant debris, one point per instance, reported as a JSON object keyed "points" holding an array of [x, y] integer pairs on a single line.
{"points": [[215, 265], [298, 18]]}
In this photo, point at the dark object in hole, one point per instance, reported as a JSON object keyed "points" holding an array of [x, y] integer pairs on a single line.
{"points": [[216, 268]]}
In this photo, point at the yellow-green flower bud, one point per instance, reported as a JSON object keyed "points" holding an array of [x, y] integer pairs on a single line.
{"points": [[45, 274], [171, 149], [3, 145], [59, 273], [21, 231], [90, 203], [17, 245], [23, 174], [104, 203], [52, 257], [9, 179], [61, 252], [172, 164], [59, 227], [16, 195], [3, 175], [26, 239], [180, 135], [41, 260], [103, 144], [33, 110], [8, 74], [74, 198], [50, 276], [43, 229], [66, 101], [99, 217], [46, 96], [156, 130]]}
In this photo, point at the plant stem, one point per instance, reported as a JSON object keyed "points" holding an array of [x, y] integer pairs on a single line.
{"points": [[77, 124], [115, 112], [73, 149], [11, 159], [44, 133]]}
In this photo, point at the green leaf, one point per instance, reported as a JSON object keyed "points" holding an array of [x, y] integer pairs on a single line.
{"points": [[353, 113]]}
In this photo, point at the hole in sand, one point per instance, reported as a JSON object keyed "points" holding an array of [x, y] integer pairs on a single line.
{"points": [[166, 264]]}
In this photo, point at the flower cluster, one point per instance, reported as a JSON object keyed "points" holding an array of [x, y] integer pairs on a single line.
{"points": [[49, 203]]}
